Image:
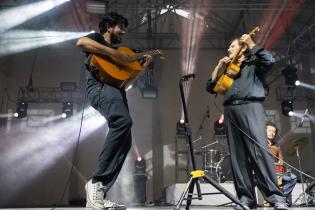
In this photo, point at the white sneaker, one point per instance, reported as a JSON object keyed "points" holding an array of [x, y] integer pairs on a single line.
{"points": [[94, 195], [109, 205]]}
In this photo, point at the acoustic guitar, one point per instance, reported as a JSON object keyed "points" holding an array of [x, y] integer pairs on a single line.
{"points": [[226, 79], [114, 74]]}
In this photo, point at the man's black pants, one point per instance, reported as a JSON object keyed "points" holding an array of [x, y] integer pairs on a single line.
{"points": [[112, 104], [247, 157]]}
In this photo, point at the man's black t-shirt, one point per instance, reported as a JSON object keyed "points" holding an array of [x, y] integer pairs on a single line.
{"points": [[91, 81]]}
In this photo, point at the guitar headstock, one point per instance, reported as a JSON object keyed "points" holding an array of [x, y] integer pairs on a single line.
{"points": [[254, 31]]}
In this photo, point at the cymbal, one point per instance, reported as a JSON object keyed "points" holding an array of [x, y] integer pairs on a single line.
{"points": [[299, 143]]}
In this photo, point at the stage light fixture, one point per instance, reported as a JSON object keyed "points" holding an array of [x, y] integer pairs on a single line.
{"points": [[180, 127], [219, 128], [21, 109], [67, 109], [140, 166], [287, 107], [290, 75], [140, 181]]}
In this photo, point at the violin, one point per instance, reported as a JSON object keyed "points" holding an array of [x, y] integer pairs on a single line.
{"points": [[226, 80]]}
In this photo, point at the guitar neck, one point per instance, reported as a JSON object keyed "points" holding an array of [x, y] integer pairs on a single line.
{"points": [[139, 56], [236, 56], [251, 33]]}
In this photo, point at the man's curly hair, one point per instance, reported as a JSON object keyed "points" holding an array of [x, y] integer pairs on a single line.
{"points": [[112, 19]]}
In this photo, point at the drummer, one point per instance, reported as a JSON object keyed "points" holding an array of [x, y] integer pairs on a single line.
{"points": [[288, 179]]}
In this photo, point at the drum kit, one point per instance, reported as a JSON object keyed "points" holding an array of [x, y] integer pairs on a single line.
{"points": [[215, 159], [216, 162]]}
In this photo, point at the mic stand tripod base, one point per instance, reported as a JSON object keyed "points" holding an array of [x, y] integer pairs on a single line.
{"points": [[303, 196], [194, 179]]}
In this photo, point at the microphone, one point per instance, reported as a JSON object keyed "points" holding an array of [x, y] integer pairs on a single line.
{"points": [[187, 76], [303, 118]]}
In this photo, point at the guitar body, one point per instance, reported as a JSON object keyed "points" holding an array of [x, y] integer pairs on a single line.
{"points": [[226, 80], [223, 84], [111, 73]]}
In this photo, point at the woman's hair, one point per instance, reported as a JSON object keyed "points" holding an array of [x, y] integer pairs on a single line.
{"points": [[112, 19]]}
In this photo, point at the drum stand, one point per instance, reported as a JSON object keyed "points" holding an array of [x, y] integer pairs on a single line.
{"points": [[205, 157], [195, 175], [208, 145], [304, 197]]}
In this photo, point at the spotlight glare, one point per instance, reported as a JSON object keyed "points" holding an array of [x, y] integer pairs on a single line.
{"points": [[182, 13], [297, 83], [23, 13], [139, 158], [7, 115], [193, 31], [64, 115], [306, 85], [16, 114], [15, 41], [27, 155], [182, 121], [290, 113], [129, 87]]}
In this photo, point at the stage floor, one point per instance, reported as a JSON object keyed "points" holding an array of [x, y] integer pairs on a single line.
{"points": [[164, 208]]}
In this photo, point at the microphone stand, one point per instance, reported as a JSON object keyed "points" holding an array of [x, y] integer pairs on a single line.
{"points": [[195, 175], [200, 129]]}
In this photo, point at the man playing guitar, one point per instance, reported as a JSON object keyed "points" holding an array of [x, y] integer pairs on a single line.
{"points": [[111, 102], [245, 122]]}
